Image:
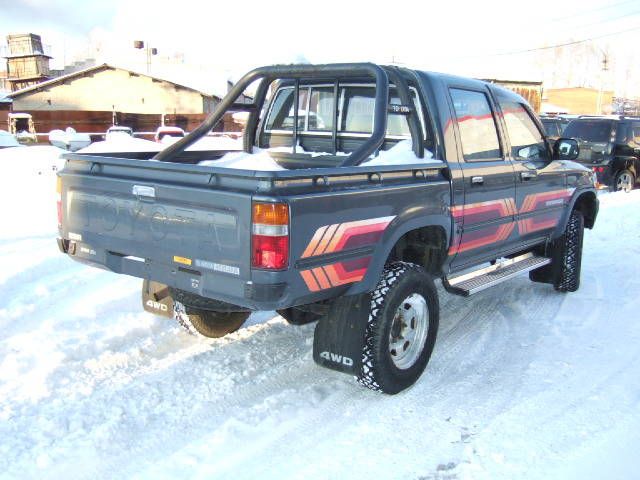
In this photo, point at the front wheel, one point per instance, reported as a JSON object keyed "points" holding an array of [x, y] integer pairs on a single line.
{"points": [[568, 254], [401, 329], [624, 182]]}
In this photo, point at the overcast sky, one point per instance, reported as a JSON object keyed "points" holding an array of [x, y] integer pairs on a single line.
{"points": [[482, 39]]}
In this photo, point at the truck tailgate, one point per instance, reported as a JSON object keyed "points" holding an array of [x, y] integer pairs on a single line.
{"points": [[189, 235]]}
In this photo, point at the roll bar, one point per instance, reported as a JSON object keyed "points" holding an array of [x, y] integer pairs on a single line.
{"points": [[335, 72]]}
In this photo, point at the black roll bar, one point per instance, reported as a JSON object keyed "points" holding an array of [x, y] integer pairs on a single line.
{"points": [[269, 74], [395, 76]]}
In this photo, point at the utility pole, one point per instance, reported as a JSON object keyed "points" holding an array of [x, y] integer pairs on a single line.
{"points": [[149, 51], [605, 67]]}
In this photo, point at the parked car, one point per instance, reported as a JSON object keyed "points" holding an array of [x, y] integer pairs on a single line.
{"points": [[165, 134], [610, 146], [22, 127], [69, 139], [117, 131], [420, 176]]}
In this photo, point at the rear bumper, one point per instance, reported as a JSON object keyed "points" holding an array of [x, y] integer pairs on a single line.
{"points": [[215, 285]]}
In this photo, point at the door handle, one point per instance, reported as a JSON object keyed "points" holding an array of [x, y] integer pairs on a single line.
{"points": [[528, 175], [477, 180]]}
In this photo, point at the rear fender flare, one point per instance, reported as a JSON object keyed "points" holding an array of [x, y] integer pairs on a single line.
{"points": [[625, 163], [394, 232]]}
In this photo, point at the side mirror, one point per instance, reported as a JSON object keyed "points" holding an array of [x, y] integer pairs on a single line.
{"points": [[566, 149]]}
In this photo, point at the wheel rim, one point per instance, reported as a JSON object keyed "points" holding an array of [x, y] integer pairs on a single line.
{"points": [[409, 331], [625, 182]]}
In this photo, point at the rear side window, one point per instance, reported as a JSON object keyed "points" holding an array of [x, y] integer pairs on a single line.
{"points": [[527, 143], [551, 128], [635, 135], [590, 130], [477, 126]]}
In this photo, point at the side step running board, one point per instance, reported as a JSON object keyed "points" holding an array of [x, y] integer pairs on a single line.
{"points": [[476, 281]]}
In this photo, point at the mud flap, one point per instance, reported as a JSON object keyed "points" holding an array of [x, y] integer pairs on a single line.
{"points": [[157, 299], [339, 336]]}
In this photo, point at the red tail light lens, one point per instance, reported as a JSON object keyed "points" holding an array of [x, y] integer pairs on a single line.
{"points": [[270, 236], [270, 252]]}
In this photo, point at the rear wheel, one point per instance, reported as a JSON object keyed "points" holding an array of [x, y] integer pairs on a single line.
{"points": [[625, 181], [401, 330], [208, 323]]}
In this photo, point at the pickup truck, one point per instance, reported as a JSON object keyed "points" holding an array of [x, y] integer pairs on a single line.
{"points": [[358, 187]]}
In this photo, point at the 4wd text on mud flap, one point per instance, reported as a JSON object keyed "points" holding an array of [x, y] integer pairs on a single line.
{"points": [[334, 357]]}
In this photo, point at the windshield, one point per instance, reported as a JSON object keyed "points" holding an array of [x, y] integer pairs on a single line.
{"points": [[589, 130]]}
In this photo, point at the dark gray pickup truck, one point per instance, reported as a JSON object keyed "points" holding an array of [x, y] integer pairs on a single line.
{"points": [[358, 186]]}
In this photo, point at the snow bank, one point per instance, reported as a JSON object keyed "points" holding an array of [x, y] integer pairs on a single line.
{"points": [[7, 140], [524, 382]]}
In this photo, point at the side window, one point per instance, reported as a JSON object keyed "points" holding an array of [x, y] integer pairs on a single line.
{"points": [[358, 112], [636, 133], [321, 109], [527, 143], [281, 115], [477, 126]]}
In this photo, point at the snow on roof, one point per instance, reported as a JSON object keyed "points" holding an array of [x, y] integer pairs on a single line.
{"points": [[183, 81]]}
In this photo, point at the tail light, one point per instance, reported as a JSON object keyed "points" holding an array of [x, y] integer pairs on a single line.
{"points": [[270, 236], [59, 200], [598, 169]]}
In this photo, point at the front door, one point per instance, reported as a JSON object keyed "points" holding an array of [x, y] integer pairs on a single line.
{"points": [[541, 193], [486, 219]]}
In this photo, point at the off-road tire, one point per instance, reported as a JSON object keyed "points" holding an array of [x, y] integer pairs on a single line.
{"points": [[398, 281], [617, 187], [569, 254], [208, 323], [295, 316]]}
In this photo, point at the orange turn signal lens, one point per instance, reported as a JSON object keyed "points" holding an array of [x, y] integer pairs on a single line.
{"points": [[271, 213]]}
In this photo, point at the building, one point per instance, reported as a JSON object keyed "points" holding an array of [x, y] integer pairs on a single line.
{"points": [[109, 88], [27, 61], [578, 100], [530, 91]]}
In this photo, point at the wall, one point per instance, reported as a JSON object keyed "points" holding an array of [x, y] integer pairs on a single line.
{"points": [[98, 122], [579, 100], [117, 89]]}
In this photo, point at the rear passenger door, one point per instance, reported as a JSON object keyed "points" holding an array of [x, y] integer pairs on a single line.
{"points": [[541, 193], [485, 221]]}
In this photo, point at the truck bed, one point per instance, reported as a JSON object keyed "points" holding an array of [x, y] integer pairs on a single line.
{"points": [[189, 226]]}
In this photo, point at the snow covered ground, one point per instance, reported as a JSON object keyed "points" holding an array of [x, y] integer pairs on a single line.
{"points": [[524, 382]]}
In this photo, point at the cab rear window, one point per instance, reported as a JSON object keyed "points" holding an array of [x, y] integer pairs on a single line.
{"points": [[316, 109]]}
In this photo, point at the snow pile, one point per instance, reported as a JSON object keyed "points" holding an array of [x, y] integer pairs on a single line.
{"points": [[259, 160], [217, 142], [121, 142], [69, 139], [401, 154], [37, 159]]}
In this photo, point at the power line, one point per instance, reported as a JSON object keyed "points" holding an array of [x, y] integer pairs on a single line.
{"points": [[583, 12], [566, 43], [606, 20]]}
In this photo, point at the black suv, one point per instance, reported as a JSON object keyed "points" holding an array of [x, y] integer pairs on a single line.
{"points": [[610, 146]]}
